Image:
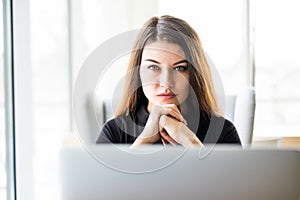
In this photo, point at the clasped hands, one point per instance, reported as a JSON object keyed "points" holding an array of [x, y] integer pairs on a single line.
{"points": [[166, 123]]}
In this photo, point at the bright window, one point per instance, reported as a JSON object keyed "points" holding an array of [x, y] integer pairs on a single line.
{"points": [[277, 48]]}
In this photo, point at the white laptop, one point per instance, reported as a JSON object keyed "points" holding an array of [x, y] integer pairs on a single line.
{"points": [[154, 172]]}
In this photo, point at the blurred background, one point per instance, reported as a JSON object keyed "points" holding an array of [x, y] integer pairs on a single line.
{"points": [[43, 45]]}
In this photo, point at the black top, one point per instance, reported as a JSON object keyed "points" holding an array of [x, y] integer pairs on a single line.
{"points": [[124, 129]]}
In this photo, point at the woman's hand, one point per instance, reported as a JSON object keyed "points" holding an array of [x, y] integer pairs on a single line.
{"points": [[152, 132], [178, 131]]}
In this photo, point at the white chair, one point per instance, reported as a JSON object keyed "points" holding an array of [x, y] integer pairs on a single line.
{"points": [[240, 110]]}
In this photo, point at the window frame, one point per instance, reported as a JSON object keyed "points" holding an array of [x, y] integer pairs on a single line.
{"points": [[9, 96]]}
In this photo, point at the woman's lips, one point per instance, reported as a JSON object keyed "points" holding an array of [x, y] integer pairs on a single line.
{"points": [[168, 95]]}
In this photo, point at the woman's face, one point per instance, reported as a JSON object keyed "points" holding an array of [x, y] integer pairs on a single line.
{"points": [[164, 74]]}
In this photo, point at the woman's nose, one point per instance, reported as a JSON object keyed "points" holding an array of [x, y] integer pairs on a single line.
{"points": [[166, 79]]}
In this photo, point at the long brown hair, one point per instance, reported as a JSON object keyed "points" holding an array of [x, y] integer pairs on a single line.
{"points": [[173, 30]]}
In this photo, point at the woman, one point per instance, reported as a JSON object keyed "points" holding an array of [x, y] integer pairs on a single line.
{"points": [[169, 97]]}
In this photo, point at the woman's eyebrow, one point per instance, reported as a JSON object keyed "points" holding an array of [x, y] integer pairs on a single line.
{"points": [[151, 60], [176, 63], [179, 62]]}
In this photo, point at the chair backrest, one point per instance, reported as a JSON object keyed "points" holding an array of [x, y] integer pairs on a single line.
{"points": [[239, 109]]}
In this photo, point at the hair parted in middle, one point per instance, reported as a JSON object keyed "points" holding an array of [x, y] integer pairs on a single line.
{"points": [[172, 30]]}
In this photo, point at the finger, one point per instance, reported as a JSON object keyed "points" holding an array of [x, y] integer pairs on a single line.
{"points": [[175, 108], [170, 140], [165, 142], [171, 126], [166, 137], [180, 133], [173, 113], [167, 109]]}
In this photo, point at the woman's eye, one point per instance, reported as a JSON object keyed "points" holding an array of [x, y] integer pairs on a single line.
{"points": [[181, 68], [153, 67]]}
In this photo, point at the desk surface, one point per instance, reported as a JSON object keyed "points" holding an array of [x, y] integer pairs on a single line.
{"points": [[277, 142]]}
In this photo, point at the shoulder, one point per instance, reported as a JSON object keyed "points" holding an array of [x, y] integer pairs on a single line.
{"points": [[116, 123], [229, 133], [121, 129], [228, 124], [111, 123], [220, 130], [110, 132]]}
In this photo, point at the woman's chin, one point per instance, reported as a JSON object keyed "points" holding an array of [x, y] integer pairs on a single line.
{"points": [[169, 102]]}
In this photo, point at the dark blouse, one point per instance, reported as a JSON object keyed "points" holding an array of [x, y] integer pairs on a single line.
{"points": [[124, 129]]}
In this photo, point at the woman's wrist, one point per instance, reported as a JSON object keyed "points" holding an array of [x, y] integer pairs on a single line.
{"points": [[197, 142], [137, 142], [145, 139]]}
